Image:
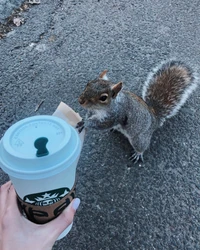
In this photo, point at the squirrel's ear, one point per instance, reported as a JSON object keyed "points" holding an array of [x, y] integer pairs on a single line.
{"points": [[103, 75], [116, 88]]}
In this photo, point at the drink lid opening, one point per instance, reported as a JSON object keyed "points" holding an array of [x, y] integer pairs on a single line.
{"points": [[38, 146]]}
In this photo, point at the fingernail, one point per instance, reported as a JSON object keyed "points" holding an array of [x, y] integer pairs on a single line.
{"points": [[76, 203]]}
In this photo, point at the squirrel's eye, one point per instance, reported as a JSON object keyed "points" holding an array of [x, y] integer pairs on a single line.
{"points": [[103, 97]]}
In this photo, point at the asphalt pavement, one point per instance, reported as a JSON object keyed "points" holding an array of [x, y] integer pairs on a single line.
{"points": [[61, 44]]}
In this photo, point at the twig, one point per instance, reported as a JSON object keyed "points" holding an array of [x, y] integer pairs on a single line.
{"points": [[38, 106]]}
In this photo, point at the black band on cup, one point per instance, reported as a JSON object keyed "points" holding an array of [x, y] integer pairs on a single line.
{"points": [[41, 214]]}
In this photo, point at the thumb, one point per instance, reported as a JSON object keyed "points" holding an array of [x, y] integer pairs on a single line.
{"points": [[58, 225]]}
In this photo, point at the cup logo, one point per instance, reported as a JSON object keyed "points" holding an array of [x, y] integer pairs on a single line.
{"points": [[45, 206], [46, 198]]}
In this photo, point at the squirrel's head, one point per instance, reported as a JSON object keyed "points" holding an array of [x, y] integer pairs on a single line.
{"points": [[99, 93]]}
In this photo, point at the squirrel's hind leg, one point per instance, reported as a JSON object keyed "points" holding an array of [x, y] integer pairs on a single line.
{"points": [[136, 157], [140, 143]]}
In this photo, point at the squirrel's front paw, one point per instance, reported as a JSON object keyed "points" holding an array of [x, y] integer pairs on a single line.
{"points": [[136, 157], [80, 126]]}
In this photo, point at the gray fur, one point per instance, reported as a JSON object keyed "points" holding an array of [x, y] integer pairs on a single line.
{"points": [[184, 82], [130, 115]]}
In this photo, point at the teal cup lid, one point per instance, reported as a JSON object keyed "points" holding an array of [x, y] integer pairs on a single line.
{"points": [[39, 147]]}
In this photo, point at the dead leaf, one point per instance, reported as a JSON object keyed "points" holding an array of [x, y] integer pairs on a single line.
{"points": [[18, 21], [34, 1]]}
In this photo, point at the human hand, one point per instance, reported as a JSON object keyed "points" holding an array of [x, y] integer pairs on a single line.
{"points": [[16, 232]]}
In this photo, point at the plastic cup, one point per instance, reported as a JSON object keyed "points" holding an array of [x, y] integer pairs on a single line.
{"points": [[40, 155]]}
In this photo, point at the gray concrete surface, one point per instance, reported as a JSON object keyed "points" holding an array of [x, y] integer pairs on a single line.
{"points": [[62, 45], [6, 8]]}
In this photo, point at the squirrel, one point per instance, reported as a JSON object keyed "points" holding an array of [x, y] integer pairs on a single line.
{"points": [[165, 91]]}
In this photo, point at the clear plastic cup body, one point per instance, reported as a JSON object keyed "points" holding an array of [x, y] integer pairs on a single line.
{"points": [[40, 155]]}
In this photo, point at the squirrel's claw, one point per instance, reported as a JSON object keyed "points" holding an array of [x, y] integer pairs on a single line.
{"points": [[136, 157], [80, 126]]}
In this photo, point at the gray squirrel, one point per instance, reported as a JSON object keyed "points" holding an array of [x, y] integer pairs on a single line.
{"points": [[109, 107]]}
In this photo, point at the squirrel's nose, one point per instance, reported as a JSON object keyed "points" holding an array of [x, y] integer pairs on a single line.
{"points": [[81, 100]]}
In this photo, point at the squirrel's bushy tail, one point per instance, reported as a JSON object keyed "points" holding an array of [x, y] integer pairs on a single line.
{"points": [[168, 87]]}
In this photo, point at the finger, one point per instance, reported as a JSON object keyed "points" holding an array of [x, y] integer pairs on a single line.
{"points": [[12, 201], [4, 192], [5, 187], [58, 225]]}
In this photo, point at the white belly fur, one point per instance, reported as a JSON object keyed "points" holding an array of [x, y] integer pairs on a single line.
{"points": [[123, 131]]}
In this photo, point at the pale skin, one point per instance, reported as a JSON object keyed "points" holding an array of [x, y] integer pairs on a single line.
{"points": [[16, 232]]}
